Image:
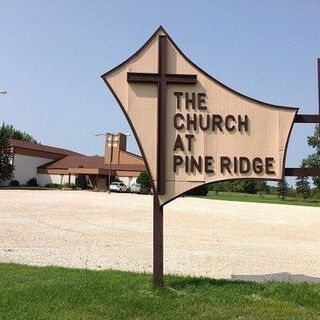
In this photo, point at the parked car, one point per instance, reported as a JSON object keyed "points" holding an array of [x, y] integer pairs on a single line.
{"points": [[118, 187], [135, 188]]}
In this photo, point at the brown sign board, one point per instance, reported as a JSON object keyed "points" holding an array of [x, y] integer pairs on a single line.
{"points": [[192, 129]]}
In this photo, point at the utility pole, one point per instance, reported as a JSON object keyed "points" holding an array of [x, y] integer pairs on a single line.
{"points": [[112, 141]]}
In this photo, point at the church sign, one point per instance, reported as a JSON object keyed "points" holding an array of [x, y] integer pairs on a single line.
{"points": [[192, 129]]}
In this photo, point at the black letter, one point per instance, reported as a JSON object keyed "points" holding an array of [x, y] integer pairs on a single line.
{"points": [[244, 161], [257, 165], [244, 123], [229, 118], [225, 163], [190, 100], [189, 137], [178, 144], [269, 165], [216, 121], [208, 161], [202, 127], [178, 95], [201, 101], [195, 164], [235, 164], [175, 121], [177, 161], [192, 122]]}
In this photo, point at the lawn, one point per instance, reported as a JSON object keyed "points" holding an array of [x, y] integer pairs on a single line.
{"points": [[268, 198], [59, 293]]}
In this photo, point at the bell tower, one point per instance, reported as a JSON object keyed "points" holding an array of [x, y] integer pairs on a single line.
{"points": [[113, 145]]}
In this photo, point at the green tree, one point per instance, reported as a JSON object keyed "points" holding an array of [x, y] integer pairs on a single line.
{"points": [[245, 186], [6, 156], [144, 180], [282, 189], [17, 134], [81, 181], [216, 187], [302, 184], [313, 160], [250, 186], [262, 187]]}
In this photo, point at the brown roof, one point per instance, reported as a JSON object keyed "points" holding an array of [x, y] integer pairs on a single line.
{"points": [[92, 162], [41, 147], [129, 167], [131, 154]]}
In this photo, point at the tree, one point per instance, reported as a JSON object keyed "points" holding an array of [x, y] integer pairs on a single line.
{"points": [[249, 186], [282, 189], [17, 134], [302, 184], [144, 180], [303, 187], [245, 186], [313, 160], [262, 187], [6, 156], [81, 181], [216, 187]]}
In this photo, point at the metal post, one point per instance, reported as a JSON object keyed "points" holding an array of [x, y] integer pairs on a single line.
{"points": [[109, 177], [157, 243], [111, 155], [319, 84]]}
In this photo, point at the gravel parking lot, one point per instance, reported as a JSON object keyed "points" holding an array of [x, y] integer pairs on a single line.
{"points": [[218, 239]]}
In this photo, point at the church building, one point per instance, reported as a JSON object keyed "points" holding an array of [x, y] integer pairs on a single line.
{"points": [[50, 164]]}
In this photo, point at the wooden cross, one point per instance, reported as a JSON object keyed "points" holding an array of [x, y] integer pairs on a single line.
{"points": [[162, 78]]}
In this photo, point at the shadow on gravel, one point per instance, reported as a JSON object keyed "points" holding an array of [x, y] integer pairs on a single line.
{"points": [[277, 277]]}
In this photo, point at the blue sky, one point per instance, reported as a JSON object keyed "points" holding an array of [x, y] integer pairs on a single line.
{"points": [[52, 54]]}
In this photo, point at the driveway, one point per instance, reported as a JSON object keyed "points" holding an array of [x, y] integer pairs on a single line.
{"points": [[219, 239]]}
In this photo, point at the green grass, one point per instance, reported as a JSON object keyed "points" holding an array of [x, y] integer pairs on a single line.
{"points": [[233, 196], [59, 293]]}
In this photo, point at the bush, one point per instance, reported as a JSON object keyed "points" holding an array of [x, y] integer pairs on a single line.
{"points": [[14, 183], [70, 186], [242, 186], [144, 180], [315, 194], [81, 182], [246, 186], [32, 183], [262, 187], [292, 192], [54, 186], [282, 189]]}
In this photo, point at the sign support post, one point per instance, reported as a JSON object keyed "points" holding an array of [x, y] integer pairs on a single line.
{"points": [[157, 242], [319, 85]]}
